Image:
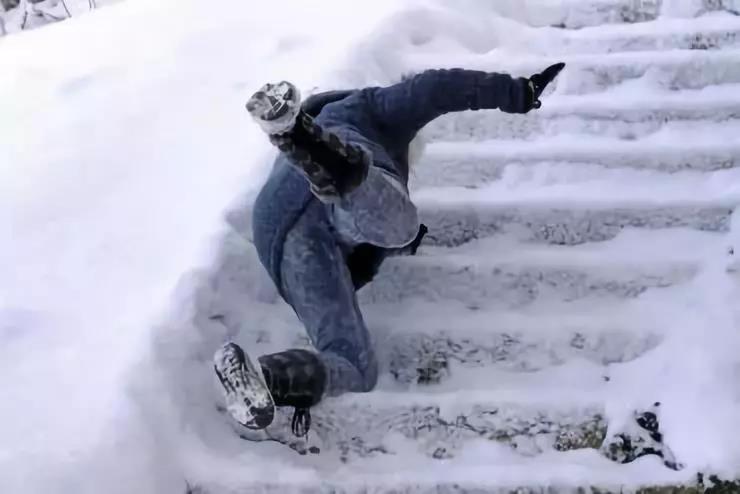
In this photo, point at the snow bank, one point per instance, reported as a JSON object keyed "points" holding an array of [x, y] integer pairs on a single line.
{"points": [[123, 140]]}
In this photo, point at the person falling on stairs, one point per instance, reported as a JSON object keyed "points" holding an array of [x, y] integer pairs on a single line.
{"points": [[334, 207]]}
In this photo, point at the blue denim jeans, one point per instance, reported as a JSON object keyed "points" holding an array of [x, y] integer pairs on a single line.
{"points": [[317, 283]]}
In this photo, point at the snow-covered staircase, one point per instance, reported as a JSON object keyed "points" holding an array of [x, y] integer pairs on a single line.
{"points": [[555, 240]]}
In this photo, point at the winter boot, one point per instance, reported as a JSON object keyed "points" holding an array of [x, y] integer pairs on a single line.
{"points": [[333, 168], [295, 378]]}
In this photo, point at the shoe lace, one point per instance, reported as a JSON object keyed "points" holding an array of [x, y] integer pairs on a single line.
{"points": [[301, 422]]}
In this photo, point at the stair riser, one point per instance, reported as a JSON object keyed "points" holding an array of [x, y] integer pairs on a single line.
{"points": [[510, 286], [622, 124], [574, 14], [434, 357], [651, 42], [473, 171], [348, 432], [692, 73], [452, 226]]}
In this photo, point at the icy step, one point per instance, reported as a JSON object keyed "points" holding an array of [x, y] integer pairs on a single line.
{"points": [[569, 204], [435, 343], [362, 429], [456, 223], [675, 69], [486, 469], [502, 273], [561, 409], [575, 14], [475, 163], [626, 116], [424, 359], [429, 343], [709, 32], [551, 476], [586, 74]]}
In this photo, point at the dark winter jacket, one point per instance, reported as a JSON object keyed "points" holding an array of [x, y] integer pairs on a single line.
{"points": [[384, 120]]}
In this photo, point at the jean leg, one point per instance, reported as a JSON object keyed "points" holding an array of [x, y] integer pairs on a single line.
{"points": [[318, 285]]}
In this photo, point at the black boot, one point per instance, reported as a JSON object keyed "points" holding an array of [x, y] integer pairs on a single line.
{"points": [[293, 378], [332, 167], [296, 378]]}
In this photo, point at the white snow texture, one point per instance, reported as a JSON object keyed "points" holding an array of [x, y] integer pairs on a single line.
{"points": [[578, 267]]}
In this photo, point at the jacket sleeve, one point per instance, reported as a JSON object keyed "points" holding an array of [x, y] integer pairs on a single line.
{"points": [[316, 102], [408, 106]]}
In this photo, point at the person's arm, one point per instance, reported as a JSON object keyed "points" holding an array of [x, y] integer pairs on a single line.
{"points": [[316, 102], [408, 106]]}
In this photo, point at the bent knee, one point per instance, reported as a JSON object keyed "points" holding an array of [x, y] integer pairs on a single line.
{"points": [[392, 228], [369, 376]]}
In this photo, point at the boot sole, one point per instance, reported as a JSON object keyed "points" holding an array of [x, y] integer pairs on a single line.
{"points": [[275, 107], [248, 400]]}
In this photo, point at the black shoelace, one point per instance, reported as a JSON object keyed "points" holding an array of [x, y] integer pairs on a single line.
{"points": [[301, 422]]}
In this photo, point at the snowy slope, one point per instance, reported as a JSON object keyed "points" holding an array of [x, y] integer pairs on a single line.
{"points": [[575, 268], [123, 140]]}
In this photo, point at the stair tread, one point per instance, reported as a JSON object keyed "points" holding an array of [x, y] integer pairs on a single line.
{"points": [[716, 22], [519, 395], [710, 139], [487, 466], [656, 247], [715, 97], [491, 465], [575, 383], [659, 58], [572, 186], [559, 320]]}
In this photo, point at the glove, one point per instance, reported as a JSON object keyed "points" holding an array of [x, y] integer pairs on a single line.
{"points": [[538, 83], [284, 142]]}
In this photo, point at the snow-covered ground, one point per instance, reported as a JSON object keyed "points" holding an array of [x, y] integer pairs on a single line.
{"points": [[588, 277], [123, 140]]}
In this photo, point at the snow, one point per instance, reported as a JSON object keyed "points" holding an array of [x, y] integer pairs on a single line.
{"points": [[555, 184], [120, 154], [126, 157]]}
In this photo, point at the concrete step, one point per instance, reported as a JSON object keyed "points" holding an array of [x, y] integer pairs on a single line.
{"points": [[456, 223], [576, 14], [473, 164], [433, 343], [709, 32], [621, 116], [446, 479], [587, 74], [529, 417], [518, 275]]}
